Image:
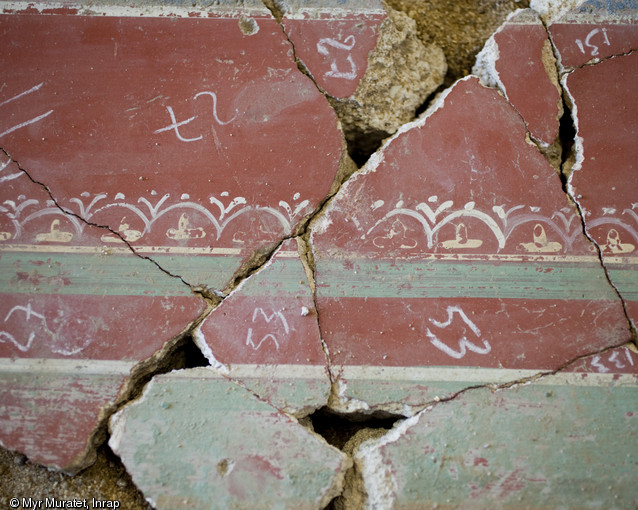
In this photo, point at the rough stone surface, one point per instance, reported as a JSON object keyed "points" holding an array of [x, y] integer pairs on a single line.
{"points": [[197, 440], [354, 495], [402, 72], [367, 59], [106, 480], [460, 28]]}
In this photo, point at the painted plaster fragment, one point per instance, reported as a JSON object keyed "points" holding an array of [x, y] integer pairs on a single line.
{"points": [[197, 440]]}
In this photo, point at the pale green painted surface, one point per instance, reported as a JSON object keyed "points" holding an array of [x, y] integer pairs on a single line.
{"points": [[626, 281], [116, 274], [536, 446], [402, 392], [202, 443], [445, 279], [86, 274], [292, 394]]}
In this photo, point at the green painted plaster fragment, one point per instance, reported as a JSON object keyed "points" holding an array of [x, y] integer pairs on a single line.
{"points": [[475, 279], [545, 445], [198, 441]]}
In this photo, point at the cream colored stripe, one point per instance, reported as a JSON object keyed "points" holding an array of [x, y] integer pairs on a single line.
{"points": [[185, 250], [470, 375], [119, 249], [147, 11], [66, 366], [151, 10]]}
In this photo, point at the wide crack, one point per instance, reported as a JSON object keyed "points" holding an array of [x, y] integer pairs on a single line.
{"points": [[346, 432], [361, 137], [568, 136], [349, 431], [178, 353], [338, 428]]}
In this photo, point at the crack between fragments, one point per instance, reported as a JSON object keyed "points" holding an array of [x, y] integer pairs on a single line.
{"points": [[524, 380], [160, 362], [67, 212], [278, 14], [301, 234], [567, 111], [599, 254], [424, 407], [401, 426], [595, 61]]}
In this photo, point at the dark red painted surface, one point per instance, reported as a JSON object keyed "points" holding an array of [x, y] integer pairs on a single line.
{"points": [[603, 180], [271, 319], [462, 186], [578, 43], [334, 48], [177, 134], [196, 146], [476, 332], [527, 79]]}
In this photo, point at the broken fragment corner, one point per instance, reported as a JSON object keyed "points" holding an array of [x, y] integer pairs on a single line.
{"points": [[190, 430], [401, 73]]}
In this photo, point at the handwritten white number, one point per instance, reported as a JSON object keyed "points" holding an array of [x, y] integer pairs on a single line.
{"points": [[175, 124], [29, 312], [347, 45], [612, 358], [599, 366], [464, 344], [593, 48], [268, 319]]}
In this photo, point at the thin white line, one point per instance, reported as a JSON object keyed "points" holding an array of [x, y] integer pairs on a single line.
{"points": [[66, 366], [117, 248], [32, 89], [484, 376], [443, 374], [415, 375], [420, 375], [38, 118], [258, 10]]}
